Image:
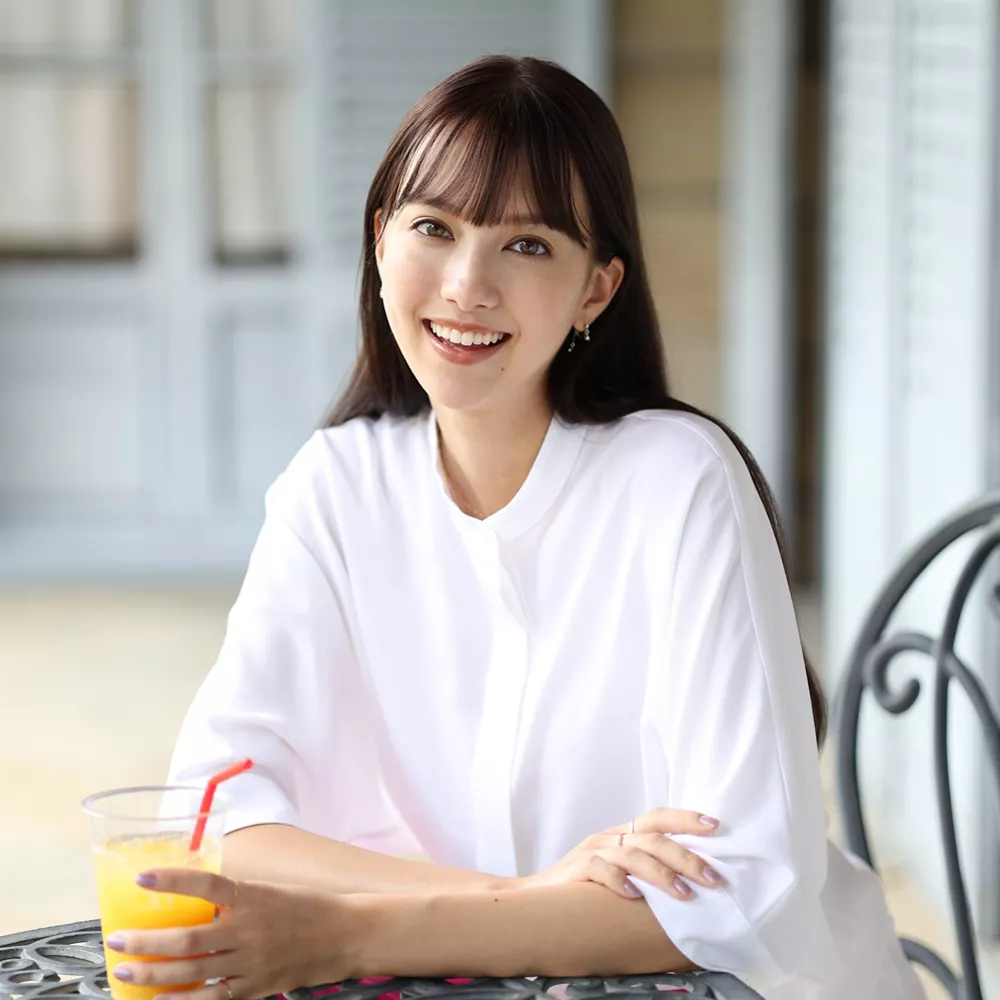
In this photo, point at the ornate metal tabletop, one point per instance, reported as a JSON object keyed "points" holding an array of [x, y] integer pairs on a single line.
{"points": [[68, 961]]}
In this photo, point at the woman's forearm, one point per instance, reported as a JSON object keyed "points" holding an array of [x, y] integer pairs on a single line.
{"points": [[563, 930], [288, 855]]}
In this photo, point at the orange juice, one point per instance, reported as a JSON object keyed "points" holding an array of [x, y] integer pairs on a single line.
{"points": [[127, 906]]}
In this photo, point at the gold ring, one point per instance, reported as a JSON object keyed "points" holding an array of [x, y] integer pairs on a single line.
{"points": [[236, 896], [225, 982]]}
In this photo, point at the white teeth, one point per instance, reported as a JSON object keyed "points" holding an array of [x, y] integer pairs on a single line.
{"points": [[465, 339]]}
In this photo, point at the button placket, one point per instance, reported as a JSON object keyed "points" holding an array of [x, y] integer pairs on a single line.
{"points": [[496, 745]]}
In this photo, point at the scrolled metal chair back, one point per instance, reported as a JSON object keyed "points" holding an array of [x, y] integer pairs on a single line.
{"points": [[868, 668]]}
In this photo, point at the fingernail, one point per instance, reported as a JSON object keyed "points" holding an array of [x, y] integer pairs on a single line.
{"points": [[124, 973], [708, 821], [146, 879], [116, 942], [682, 887], [631, 890], [711, 875]]}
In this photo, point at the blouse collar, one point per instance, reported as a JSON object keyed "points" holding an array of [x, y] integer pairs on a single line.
{"points": [[546, 479]]}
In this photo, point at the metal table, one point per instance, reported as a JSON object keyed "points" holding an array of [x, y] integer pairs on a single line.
{"points": [[68, 961]]}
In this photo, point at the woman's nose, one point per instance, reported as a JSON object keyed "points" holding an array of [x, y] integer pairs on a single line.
{"points": [[469, 281]]}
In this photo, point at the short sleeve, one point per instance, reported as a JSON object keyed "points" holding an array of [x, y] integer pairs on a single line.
{"points": [[731, 711], [287, 689]]}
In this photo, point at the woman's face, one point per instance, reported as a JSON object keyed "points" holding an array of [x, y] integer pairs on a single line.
{"points": [[479, 312]]}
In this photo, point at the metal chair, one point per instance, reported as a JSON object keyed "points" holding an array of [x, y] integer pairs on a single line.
{"points": [[868, 667]]}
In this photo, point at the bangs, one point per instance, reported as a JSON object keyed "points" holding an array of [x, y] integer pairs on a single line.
{"points": [[490, 168]]}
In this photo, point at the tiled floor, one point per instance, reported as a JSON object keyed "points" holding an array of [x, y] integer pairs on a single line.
{"points": [[93, 686]]}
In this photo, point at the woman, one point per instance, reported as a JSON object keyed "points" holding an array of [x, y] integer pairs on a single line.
{"points": [[513, 595]]}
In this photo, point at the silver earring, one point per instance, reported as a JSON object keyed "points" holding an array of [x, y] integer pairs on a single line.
{"points": [[583, 334]]}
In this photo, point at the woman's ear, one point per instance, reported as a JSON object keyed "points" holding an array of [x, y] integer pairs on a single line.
{"points": [[604, 282]]}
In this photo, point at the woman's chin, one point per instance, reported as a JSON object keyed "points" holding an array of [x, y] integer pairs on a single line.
{"points": [[457, 402], [461, 394]]}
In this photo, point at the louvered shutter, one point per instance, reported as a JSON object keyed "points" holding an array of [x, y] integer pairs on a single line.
{"points": [[150, 407], [384, 54], [911, 346], [859, 322]]}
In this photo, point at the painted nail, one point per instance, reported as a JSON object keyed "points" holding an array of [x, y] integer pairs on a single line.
{"points": [[681, 886], [115, 942], [124, 973], [711, 875], [145, 879], [631, 890], [708, 821]]}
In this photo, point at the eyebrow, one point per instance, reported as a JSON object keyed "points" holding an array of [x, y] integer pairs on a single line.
{"points": [[508, 220], [524, 220]]}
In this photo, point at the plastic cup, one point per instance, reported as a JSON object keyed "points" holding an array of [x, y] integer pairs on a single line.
{"points": [[137, 829]]}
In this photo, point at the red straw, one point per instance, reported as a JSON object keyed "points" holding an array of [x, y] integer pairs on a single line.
{"points": [[206, 801]]}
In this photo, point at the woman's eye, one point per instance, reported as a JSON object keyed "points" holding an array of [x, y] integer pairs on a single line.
{"points": [[530, 247], [428, 227]]}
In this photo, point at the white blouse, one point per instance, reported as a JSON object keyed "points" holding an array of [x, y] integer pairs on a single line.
{"points": [[620, 636]]}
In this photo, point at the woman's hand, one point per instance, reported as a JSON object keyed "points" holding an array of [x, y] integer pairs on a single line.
{"points": [[268, 939], [642, 848]]}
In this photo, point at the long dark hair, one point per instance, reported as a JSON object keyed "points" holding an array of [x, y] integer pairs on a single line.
{"points": [[528, 122]]}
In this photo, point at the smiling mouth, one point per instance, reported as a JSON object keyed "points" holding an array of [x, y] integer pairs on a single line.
{"points": [[481, 339]]}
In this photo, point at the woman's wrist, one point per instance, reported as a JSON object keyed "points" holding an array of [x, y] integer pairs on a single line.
{"points": [[377, 927], [338, 937]]}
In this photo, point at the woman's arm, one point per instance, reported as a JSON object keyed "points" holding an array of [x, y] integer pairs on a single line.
{"points": [[288, 855], [272, 939], [563, 930], [731, 707], [291, 856]]}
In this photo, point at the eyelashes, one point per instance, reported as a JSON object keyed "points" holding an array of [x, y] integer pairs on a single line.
{"points": [[541, 249], [530, 245], [421, 225]]}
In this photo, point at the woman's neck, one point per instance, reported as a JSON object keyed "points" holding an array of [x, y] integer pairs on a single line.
{"points": [[486, 456]]}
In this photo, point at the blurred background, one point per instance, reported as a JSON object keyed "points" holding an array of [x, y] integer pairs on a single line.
{"points": [[181, 193]]}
